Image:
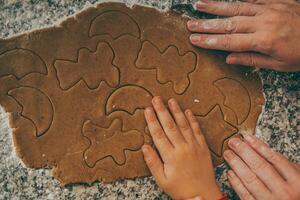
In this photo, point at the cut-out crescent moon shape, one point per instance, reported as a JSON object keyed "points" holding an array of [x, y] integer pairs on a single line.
{"points": [[128, 98], [36, 107], [114, 23], [21, 62]]}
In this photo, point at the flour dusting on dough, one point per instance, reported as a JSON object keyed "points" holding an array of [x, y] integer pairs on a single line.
{"points": [[211, 41]]}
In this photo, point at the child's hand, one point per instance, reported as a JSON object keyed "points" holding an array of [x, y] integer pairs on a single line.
{"points": [[260, 173], [184, 168]]}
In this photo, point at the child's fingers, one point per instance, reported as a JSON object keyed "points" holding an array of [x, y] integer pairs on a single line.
{"points": [[195, 127], [154, 164], [167, 122], [195, 198], [181, 121], [159, 138], [282, 165]]}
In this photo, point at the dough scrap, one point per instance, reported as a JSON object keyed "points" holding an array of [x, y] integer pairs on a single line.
{"points": [[76, 93]]}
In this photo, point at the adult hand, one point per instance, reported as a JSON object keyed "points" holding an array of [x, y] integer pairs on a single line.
{"points": [[184, 168], [260, 33], [260, 173]]}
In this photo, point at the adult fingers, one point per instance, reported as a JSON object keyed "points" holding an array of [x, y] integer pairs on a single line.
{"points": [[290, 6], [195, 127], [282, 164], [154, 164], [160, 140], [238, 24], [297, 166], [228, 9], [254, 60], [167, 122], [238, 186], [228, 42], [263, 169], [181, 121], [268, 1], [248, 178]]}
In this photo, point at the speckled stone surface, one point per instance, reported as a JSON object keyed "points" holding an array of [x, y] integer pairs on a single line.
{"points": [[279, 125]]}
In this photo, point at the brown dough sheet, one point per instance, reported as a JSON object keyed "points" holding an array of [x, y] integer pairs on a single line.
{"points": [[76, 92]]}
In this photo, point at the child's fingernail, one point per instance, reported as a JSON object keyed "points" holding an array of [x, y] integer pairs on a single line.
{"points": [[145, 150], [249, 138], [234, 142], [156, 100], [188, 112], [148, 110], [197, 198], [172, 102]]}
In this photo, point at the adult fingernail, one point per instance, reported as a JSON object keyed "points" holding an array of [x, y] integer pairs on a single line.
{"points": [[231, 59], [228, 155], [229, 174], [194, 38], [234, 142], [249, 138], [192, 24], [201, 4]]}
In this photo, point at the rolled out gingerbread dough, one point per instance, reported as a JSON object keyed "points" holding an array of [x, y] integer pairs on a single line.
{"points": [[76, 92]]}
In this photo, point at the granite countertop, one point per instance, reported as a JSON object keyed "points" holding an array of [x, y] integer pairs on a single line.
{"points": [[278, 126]]}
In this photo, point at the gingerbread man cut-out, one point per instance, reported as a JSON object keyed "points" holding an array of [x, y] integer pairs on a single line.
{"points": [[110, 141], [91, 67]]}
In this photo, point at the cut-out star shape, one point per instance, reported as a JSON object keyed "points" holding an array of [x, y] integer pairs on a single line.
{"points": [[215, 129]]}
